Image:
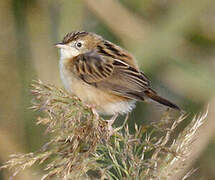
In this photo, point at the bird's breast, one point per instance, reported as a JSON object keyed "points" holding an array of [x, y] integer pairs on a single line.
{"points": [[65, 75], [104, 101]]}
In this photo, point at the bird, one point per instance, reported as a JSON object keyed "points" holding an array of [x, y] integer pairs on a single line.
{"points": [[104, 75]]}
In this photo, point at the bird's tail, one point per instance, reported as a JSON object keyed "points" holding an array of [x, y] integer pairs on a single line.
{"points": [[154, 96]]}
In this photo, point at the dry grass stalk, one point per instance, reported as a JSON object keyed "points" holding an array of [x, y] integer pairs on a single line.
{"points": [[80, 146]]}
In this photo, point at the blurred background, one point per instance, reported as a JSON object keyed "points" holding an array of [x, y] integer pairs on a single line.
{"points": [[173, 41]]}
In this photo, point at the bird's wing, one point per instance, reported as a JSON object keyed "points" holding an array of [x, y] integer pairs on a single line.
{"points": [[92, 68], [111, 75]]}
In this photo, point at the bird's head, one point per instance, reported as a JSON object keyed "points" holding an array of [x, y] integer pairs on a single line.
{"points": [[77, 43]]}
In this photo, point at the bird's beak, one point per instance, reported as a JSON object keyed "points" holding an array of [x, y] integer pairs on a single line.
{"points": [[61, 45]]}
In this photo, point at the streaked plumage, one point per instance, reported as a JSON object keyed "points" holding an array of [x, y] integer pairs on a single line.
{"points": [[104, 75]]}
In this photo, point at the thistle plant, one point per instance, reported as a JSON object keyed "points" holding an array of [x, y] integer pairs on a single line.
{"points": [[81, 147]]}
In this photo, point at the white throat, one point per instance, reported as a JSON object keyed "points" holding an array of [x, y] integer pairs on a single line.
{"points": [[65, 54], [68, 53]]}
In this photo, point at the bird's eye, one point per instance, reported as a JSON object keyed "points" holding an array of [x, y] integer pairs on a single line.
{"points": [[79, 44]]}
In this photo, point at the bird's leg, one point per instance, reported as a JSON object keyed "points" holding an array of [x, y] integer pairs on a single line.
{"points": [[93, 109], [95, 113], [126, 119], [124, 123], [110, 122]]}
